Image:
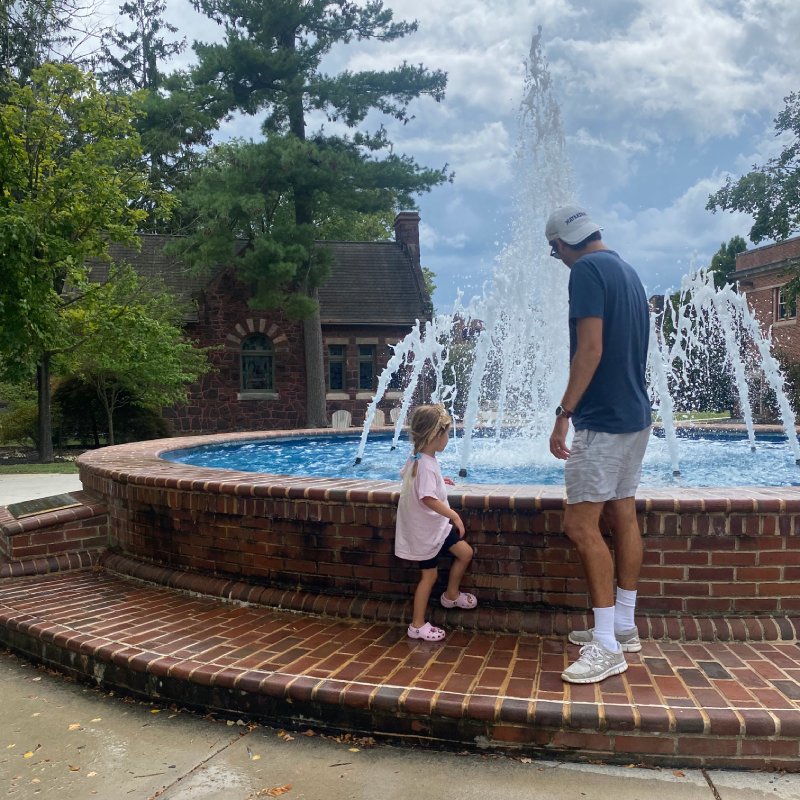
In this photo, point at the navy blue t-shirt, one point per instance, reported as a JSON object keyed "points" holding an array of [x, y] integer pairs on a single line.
{"points": [[602, 285]]}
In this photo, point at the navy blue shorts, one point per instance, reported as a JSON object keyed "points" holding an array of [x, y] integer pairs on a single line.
{"points": [[432, 563]]}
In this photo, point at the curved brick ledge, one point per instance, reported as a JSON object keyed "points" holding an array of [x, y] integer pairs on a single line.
{"points": [[709, 553], [543, 622], [679, 704], [81, 559], [140, 464]]}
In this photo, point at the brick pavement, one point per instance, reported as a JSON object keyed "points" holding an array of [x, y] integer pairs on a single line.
{"points": [[692, 703]]}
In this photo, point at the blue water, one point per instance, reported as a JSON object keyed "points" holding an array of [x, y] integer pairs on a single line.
{"points": [[706, 459]]}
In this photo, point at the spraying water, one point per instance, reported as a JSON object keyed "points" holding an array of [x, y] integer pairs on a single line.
{"points": [[500, 363]]}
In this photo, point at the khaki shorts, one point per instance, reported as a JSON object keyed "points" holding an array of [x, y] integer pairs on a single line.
{"points": [[604, 466]]}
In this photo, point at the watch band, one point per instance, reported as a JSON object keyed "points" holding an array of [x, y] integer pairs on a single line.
{"points": [[563, 412]]}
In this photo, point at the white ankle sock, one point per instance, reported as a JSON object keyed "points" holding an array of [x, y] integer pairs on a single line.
{"points": [[624, 609], [604, 628]]}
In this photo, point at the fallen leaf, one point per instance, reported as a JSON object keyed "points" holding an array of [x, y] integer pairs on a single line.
{"points": [[29, 754], [73, 769], [309, 732], [74, 727], [97, 719], [353, 750], [256, 758], [526, 760], [10, 746], [678, 774], [155, 710], [35, 679], [90, 774], [36, 780], [277, 791]]}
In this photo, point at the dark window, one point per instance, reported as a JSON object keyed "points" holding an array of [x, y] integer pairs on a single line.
{"points": [[336, 364], [784, 309], [366, 367], [397, 381], [258, 365]]}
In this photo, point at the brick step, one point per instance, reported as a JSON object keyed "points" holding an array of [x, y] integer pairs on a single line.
{"points": [[545, 622], [721, 704]]}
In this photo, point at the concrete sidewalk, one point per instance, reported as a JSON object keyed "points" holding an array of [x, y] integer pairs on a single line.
{"points": [[57, 736], [71, 741], [16, 488]]}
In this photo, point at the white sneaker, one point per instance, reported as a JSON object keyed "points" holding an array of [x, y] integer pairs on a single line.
{"points": [[595, 664], [629, 640]]}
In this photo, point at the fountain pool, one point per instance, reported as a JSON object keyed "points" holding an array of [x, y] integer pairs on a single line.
{"points": [[712, 458]]}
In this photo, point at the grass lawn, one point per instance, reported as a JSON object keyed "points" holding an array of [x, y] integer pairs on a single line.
{"points": [[699, 416], [66, 468]]}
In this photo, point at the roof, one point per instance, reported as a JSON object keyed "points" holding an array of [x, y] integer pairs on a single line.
{"points": [[370, 283], [767, 257]]}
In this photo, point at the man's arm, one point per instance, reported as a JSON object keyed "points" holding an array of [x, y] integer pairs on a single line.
{"points": [[588, 351]]}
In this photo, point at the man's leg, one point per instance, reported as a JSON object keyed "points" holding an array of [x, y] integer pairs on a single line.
{"points": [[602, 655], [582, 527], [628, 549], [628, 552]]}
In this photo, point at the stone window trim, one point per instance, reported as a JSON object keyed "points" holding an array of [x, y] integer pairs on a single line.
{"points": [[368, 340], [280, 353], [247, 394], [280, 341]]}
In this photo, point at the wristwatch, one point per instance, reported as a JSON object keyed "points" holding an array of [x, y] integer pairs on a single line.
{"points": [[563, 412]]}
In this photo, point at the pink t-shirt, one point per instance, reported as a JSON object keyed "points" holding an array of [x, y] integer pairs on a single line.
{"points": [[420, 531]]}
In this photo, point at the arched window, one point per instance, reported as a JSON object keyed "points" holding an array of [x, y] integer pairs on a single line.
{"points": [[258, 364]]}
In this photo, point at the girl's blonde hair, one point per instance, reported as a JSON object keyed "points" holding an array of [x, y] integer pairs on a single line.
{"points": [[427, 423]]}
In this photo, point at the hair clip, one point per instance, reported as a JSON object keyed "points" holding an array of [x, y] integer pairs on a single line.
{"points": [[416, 456]]}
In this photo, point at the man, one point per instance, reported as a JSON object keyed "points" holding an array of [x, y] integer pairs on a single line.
{"points": [[606, 399]]}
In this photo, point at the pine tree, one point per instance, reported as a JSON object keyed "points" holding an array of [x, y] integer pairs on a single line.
{"points": [[276, 193]]}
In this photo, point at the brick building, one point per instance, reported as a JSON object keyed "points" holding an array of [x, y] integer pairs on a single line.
{"points": [[761, 274], [371, 300]]}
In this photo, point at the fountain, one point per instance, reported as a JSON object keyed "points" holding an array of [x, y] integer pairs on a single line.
{"points": [[519, 352], [323, 542]]}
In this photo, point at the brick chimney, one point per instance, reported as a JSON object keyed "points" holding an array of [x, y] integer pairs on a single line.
{"points": [[406, 232]]}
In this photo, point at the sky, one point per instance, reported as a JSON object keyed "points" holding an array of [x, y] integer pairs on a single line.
{"points": [[660, 102]]}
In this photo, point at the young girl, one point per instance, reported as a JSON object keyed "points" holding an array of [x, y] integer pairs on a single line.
{"points": [[426, 525]]}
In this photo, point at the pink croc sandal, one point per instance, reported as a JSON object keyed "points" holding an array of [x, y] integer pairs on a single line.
{"points": [[464, 600], [426, 632]]}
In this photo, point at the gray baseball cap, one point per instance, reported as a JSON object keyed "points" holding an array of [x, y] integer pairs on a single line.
{"points": [[571, 224]]}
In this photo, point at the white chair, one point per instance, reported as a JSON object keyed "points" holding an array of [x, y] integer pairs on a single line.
{"points": [[379, 420], [341, 419]]}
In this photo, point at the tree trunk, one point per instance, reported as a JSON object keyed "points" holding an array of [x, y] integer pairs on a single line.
{"points": [[316, 406], [45, 418]]}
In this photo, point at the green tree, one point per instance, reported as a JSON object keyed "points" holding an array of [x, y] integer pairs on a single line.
{"points": [[723, 263], [132, 348], [277, 194], [33, 32], [174, 121], [770, 192], [70, 163]]}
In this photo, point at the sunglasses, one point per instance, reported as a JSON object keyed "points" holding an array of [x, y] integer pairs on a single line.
{"points": [[553, 252]]}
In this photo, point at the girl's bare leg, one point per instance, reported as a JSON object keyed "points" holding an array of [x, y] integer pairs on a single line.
{"points": [[462, 555], [422, 594]]}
